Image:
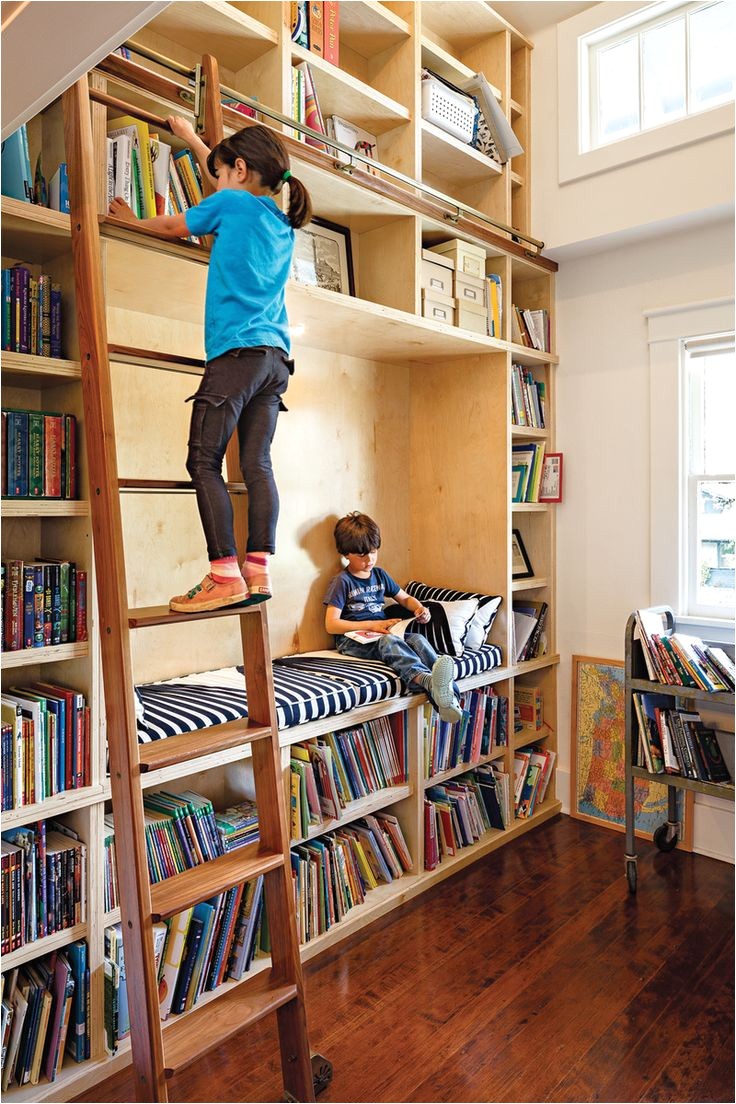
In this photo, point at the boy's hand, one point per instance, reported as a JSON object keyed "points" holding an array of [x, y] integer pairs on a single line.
{"points": [[182, 128], [385, 626], [422, 614], [120, 209]]}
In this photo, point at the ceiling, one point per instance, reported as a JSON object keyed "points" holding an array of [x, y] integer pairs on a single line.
{"points": [[532, 16]]}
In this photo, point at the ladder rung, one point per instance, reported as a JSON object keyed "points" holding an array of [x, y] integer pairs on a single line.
{"points": [[146, 616], [210, 878], [125, 352], [203, 741], [188, 1037], [171, 485]]}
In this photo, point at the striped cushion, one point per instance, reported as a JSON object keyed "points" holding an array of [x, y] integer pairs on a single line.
{"points": [[307, 688], [480, 626]]}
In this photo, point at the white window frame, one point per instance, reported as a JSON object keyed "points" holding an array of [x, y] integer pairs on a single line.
{"points": [[575, 163], [669, 328]]}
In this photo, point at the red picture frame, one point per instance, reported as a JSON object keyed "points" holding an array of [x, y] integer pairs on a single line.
{"points": [[550, 487]]}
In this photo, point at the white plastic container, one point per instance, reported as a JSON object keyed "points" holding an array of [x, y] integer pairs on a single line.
{"points": [[448, 110]]}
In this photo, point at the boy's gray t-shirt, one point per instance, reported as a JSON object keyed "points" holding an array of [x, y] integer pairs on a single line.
{"points": [[361, 599]]}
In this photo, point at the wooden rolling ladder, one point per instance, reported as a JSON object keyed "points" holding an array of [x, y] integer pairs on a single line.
{"points": [[160, 1050]]}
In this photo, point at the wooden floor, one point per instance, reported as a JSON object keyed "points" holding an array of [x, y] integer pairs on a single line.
{"points": [[531, 976]]}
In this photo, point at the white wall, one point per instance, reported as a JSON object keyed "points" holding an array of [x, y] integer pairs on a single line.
{"points": [[645, 235]]}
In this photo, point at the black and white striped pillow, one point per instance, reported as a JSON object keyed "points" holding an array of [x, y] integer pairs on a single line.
{"points": [[486, 610], [447, 627]]}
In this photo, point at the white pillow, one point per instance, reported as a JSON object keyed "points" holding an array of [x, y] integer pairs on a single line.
{"points": [[487, 608], [447, 628]]}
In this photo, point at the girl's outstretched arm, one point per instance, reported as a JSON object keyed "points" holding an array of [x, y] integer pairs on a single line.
{"points": [[183, 129], [171, 226]]}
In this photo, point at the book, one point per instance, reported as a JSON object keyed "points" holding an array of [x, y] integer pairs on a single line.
{"points": [[331, 22], [299, 32], [15, 164], [528, 699], [312, 113], [59, 190], [316, 27], [160, 159], [139, 133], [504, 139], [354, 137]]}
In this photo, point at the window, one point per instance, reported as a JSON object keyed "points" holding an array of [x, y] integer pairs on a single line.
{"points": [[709, 487], [653, 68]]}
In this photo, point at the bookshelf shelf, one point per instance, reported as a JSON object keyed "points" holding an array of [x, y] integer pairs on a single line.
{"points": [[444, 63], [33, 234], [344, 95], [463, 768], [684, 692], [43, 946], [517, 181], [528, 433], [378, 901], [215, 27], [65, 1087], [529, 584], [538, 664], [524, 355], [521, 739], [24, 370], [55, 806], [530, 507], [516, 109], [29, 657], [453, 161], [459, 25], [726, 790], [354, 810], [369, 28], [45, 507]]}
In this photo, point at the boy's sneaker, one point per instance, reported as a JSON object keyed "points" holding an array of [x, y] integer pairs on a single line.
{"points": [[210, 595], [443, 691]]}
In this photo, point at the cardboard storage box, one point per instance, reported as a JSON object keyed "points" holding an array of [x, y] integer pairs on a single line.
{"points": [[439, 307], [468, 258], [437, 273], [469, 316], [469, 289]]}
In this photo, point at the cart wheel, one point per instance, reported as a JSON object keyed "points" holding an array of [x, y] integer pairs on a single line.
{"points": [[631, 876], [321, 1072], [665, 837]]}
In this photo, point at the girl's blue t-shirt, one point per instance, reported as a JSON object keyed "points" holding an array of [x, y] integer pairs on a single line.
{"points": [[249, 266]]}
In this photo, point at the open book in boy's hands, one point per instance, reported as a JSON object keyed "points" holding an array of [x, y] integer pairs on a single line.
{"points": [[367, 636]]}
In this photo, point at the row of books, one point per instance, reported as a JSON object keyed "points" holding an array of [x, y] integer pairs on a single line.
{"points": [[305, 108], [532, 772], [194, 952], [45, 1015], [675, 741], [39, 454], [680, 660], [528, 636], [530, 328], [44, 603], [484, 726], [45, 743], [528, 398], [31, 320], [44, 882], [340, 767], [527, 461], [460, 812], [19, 182], [333, 874], [183, 831], [316, 27]]}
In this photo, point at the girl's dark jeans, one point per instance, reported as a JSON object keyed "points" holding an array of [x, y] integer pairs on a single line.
{"points": [[241, 389]]}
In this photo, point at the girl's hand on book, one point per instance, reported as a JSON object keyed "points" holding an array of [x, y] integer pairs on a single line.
{"points": [[120, 209], [182, 128]]}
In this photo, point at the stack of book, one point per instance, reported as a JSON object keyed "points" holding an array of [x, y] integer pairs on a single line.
{"points": [[526, 471], [680, 660], [238, 825], [44, 882], [528, 638], [180, 831], [528, 398], [316, 27], [530, 328], [45, 743], [460, 812], [334, 873], [675, 741], [44, 603], [45, 1013], [483, 727], [532, 772], [39, 455], [31, 320]]}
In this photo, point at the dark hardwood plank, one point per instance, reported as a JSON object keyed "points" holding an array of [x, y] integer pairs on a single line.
{"points": [[532, 975]]}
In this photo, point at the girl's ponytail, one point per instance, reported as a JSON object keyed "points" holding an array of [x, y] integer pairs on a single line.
{"points": [[265, 153], [300, 205]]}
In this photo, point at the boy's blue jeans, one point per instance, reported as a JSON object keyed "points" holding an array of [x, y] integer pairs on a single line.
{"points": [[409, 656]]}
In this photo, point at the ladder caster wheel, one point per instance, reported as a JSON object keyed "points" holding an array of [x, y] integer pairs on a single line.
{"points": [[665, 837], [631, 876], [321, 1072]]}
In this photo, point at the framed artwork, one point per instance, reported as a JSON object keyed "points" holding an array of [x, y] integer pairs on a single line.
{"points": [[323, 257], [598, 756], [550, 487], [521, 567]]}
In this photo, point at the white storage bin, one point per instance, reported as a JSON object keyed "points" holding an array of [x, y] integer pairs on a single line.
{"points": [[470, 316], [469, 289], [468, 258], [437, 273], [448, 110], [439, 307]]}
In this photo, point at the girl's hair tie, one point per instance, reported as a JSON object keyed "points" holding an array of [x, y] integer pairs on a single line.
{"points": [[287, 175]]}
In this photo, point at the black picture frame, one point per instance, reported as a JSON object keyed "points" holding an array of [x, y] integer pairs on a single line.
{"points": [[323, 256], [521, 567]]}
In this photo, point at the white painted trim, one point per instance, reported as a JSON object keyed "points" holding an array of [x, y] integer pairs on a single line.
{"points": [[702, 304]]}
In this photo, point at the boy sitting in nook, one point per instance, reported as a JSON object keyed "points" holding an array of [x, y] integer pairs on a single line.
{"points": [[355, 601]]}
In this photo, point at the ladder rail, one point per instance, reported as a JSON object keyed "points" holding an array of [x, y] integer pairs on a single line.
{"points": [[112, 603]]}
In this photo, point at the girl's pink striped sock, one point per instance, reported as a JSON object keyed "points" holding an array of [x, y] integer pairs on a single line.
{"points": [[225, 569]]}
